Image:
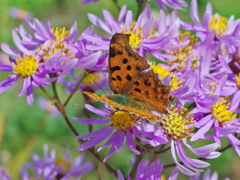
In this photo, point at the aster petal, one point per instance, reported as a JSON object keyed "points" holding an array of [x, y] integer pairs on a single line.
{"points": [[202, 131], [40, 30], [130, 143], [8, 83], [147, 27], [204, 121], [174, 174], [129, 19], [226, 130], [111, 22], [194, 11], [179, 166], [73, 32], [203, 151], [70, 64], [120, 176], [136, 133], [29, 94], [94, 133], [91, 121], [235, 100], [24, 174], [10, 50], [116, 146], [49, 30], [17, 41], [111, 141], [207, 16], [89, 61], [98, 22], [26, 83], [220, 85], [6, 68], [186, 160], [78, 160], [96, 110], [122, 13], [94, 141]]}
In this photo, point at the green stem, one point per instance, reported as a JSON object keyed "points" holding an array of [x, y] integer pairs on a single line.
{"points": [[116, 4], [141, 5], [134, 169], [75, 89], [61, 108]]}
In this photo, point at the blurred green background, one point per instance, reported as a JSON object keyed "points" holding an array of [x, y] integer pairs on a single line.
{"points": [[24, 129]]}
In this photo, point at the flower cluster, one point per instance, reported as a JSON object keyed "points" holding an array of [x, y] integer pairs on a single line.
{"points": [[199, 60], [52, 167]]}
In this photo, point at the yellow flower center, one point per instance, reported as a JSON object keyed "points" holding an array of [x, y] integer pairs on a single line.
{"points": [[26, 66], [238, 80], [92, 79], [46, 52], [220, 112], [177, 124], [175, 82], [60, 33], [122, 120], [136, 35], [183, 54], [64, 163], [219, 24]]}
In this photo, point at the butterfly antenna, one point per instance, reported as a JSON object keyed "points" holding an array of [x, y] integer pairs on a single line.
{"points": [[94, 81]]}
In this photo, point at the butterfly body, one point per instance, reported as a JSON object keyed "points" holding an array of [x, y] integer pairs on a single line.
{"points": [[136, 87]]}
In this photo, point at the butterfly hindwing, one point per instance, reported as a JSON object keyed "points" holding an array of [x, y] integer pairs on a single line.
{"points": [[144, 113], [150, 91]]}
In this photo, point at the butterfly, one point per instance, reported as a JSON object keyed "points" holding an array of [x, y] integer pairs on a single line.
{"points": [[137, 89]]}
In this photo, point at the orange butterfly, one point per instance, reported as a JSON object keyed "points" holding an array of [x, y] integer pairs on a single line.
{"points": [[136, 87]]}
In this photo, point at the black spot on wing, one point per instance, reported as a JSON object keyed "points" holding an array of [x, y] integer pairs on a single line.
{"points": [[138, 90], [136, 83], [115, 68], [129, 68], [147, 82], [119, 78], [128, 77], [125, 61]]}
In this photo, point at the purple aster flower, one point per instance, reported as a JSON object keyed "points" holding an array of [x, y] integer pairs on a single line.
{"points": [[218, 115], [20, 14], [41, 34], [225, 30], [52, 166], [48, 106], [146, 170], [177, 127], [26, 64], [121, 125], [174, 4], [143, 37]]}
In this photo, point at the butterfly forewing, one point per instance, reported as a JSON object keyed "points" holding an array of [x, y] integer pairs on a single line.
{"points": [[124, 64]]}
